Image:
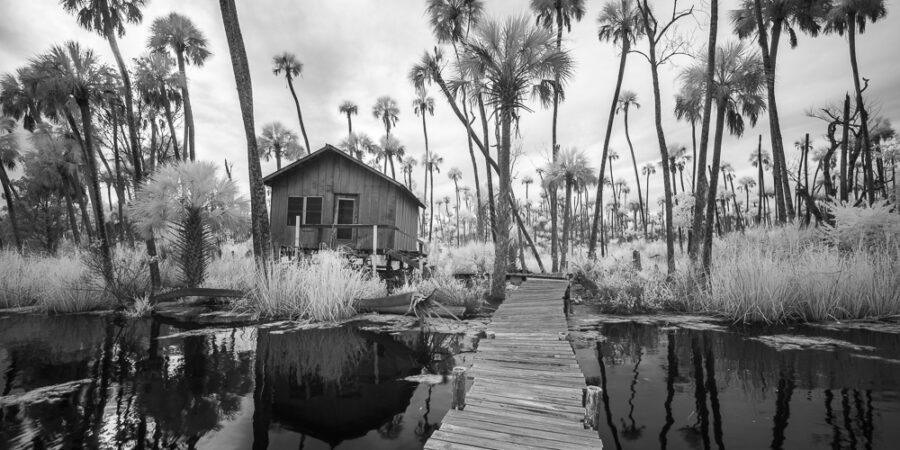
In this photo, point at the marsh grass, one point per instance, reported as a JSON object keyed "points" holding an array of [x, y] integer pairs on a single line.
{"points": [[52, 284], [323, 287], [765, 275], [471, 295]]}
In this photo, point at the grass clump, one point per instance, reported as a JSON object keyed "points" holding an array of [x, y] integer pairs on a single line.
{"points": [[49, 283], [469, 294], [788, 274], [323, 287]]}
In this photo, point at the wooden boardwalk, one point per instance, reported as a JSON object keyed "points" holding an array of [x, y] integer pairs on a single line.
{"points": [[527, 390]]}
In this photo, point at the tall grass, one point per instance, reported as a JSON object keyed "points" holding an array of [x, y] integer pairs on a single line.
{"points": [[322, 287], [51, 284], [774, 276], [476, 257]]}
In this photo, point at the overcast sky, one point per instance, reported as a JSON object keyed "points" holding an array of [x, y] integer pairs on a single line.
{"points": [[361, 49]]}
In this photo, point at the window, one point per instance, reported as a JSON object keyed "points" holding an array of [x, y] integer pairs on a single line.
{"points": [[345, 210], [308, 208]]}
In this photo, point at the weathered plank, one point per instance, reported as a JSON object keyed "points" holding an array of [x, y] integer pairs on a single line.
{"points": [[527, 389]]}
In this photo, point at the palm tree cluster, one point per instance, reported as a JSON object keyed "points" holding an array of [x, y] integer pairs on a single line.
{"points": [[94, 125]]}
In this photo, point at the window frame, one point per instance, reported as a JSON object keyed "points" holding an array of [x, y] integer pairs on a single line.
{"points": [[354, 199], [304, 210]]}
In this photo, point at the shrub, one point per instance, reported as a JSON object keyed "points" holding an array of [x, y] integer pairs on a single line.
{"points": [[322, 287]]}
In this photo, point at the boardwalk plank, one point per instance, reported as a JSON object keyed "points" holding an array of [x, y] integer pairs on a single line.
{"points": [[527, 390]]}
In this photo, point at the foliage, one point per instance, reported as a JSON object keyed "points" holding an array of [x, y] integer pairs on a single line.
{"points": [[471, 296], [865, 227], [188, 201], [51, 284], [323, 287]]}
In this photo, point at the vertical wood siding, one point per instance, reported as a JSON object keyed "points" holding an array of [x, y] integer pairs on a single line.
{"points": [[379, 202]]}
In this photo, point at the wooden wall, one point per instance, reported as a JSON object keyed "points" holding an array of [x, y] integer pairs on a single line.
{"points": [[329, 175]]}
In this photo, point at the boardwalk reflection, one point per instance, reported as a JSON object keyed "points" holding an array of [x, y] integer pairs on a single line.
{"points": [[721, 389]]}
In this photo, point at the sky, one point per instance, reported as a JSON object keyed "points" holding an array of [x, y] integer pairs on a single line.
{"points": [[360, 50]]}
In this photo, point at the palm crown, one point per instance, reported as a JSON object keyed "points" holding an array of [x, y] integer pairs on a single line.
{"points": [[179, 34]]}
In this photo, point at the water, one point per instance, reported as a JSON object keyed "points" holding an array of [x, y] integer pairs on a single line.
{"points": [[679, 388], [97, 382]]}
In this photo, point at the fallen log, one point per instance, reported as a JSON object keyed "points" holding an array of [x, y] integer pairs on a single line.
{"points": [[196, 292]]}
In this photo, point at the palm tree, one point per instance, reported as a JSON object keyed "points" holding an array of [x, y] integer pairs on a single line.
{"points": [[745, 184], [778, 16], [760, 159], [423, 105], [689, 107], [647, 169], [432, 165], [70, 71], [288, 64], [276, 141], [738, 83], [846, 16], [178, 34], [259, 223], [572, 168], [451, 21], [9, 158], [610, 157], [386, 110], [348, 109], [108, 19], [158, 85], [407, 168], [620, 22], [455, 175], [19, 98], [189, 196], [512, 57], [628, 100], [391, 148], [556, 14]]}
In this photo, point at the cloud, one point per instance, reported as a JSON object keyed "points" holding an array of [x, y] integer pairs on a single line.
{"points": [[360, 49]]}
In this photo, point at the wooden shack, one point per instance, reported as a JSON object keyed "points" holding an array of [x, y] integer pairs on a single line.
{"points": [[330, 199]]}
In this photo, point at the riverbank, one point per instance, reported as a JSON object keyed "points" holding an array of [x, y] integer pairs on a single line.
{"points": [[781, 275]]}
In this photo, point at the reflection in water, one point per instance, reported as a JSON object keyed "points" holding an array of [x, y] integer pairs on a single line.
{"points": [[719, 389], [151, 385]]}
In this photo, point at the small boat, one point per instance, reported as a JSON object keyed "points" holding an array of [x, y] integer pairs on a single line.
{"points": [[403, 303], [413, 303]]}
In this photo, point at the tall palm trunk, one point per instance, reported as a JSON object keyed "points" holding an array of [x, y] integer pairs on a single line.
{"points": [[783, 204], [189, 147], [11, 207], [431, 204], [592, 246], [501, 245], [612, 184], [349, 124], [761, 183], [94, 189], [137, 162], [456, 186], [694, 156], [845, 142], [120, 183], [863, 115], [713, 185], [737, 210], [637, 176], [259, 216], [171, 123], [427, 155], [663, 150], [694, 244], [567, 225], [492, 214], [70, 212], [554, 207], [299, 113]]}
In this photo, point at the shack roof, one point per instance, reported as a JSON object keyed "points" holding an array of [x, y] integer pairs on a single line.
{"points": [[330, 149]]}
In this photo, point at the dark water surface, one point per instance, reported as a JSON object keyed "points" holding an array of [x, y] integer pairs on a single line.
{"points": [[679, 388], [98, 382]]}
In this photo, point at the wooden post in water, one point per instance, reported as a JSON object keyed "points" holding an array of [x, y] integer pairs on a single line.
{"points": [[374, 249], [592, 405], [636, 260], [459, 388]]}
